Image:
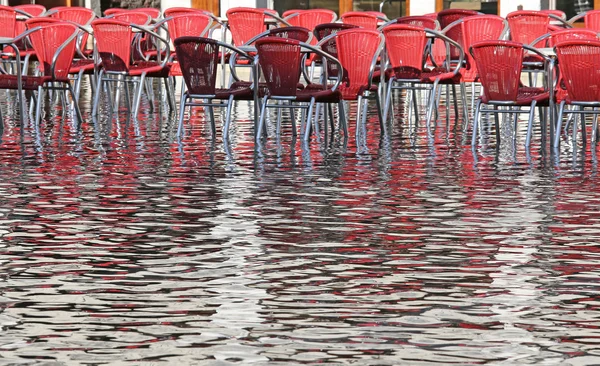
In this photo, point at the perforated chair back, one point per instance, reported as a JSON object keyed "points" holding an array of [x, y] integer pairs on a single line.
{"points": [[579, 64], [279, 60], [199, 59], [591, 20], [323, 30], [405, 45], [526, 26], [419, 21], [449, 16], [175, 11], [245, 23], [113, 42], [8, 21], [47, 40], [194, 24], [310, 18], [572, 34], [35, 10], [361, 19], [356, 49], [475, 29], [499, 64], [133, 17], [76, 14]]}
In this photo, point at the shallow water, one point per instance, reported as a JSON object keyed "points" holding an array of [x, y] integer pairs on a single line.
{"points": [[120, 243]]}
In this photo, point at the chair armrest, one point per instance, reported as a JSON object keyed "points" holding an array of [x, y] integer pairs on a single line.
{"points": [[160, 38], [461, 52], [327, 57]]}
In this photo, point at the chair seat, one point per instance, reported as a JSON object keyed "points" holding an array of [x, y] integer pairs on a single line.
{"points": [[321, 93], [239, 90], [82, 64], [525, 96], [8, 81], [151, 68]]}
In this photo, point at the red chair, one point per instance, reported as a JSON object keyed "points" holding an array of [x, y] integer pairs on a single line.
{"points": [[310, 18], [358, 51], [199, 58], [361, 18], [500, 64], [419, 21], [193, 24], [246, 23], [591, 19], [406, 50], [281, 63], [82, 64], [132, 17], [579, 62], [449, 16], [54, 45], [171, 12], [553, 38], [113, 43], [76, 14], [34, 10], [527, 25]]}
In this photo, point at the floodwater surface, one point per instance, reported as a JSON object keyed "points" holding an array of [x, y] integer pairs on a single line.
{"points": [[122, 244]]}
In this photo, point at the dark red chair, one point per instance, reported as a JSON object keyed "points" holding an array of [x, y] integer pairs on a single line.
{"points": [[281, 63], [500, 64], [199, 58], [579, 62], [114, 48], [418, 21]]}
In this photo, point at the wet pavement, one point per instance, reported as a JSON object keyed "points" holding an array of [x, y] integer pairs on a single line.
{"points": [[122, 244]]}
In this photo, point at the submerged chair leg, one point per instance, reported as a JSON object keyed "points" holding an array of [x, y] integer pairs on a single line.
{"points": [[261, 119], [182, 105], [530, 124], [343, 121], [561, 111], [98, 92], [138, 96], [476, 123], [227, 118]]}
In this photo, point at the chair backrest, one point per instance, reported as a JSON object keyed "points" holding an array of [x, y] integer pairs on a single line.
{"points": [[499, 64], [419, 21], [280, 60], [112, 11], [297, 33], [571, 35], [113, 42], [35, 10], [310, 18], [475, 29], [527, 25], [579, 64], [557, 13], [171, 12], [153, 12], [591, 20], [405, 45], [199, 60], [41, 21], [356, 49], [245, 23], [323, 30], [47, 40], [133, 17], [449, 16], [8, 21], [361, 19], [76, 14], [194, 24]]}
